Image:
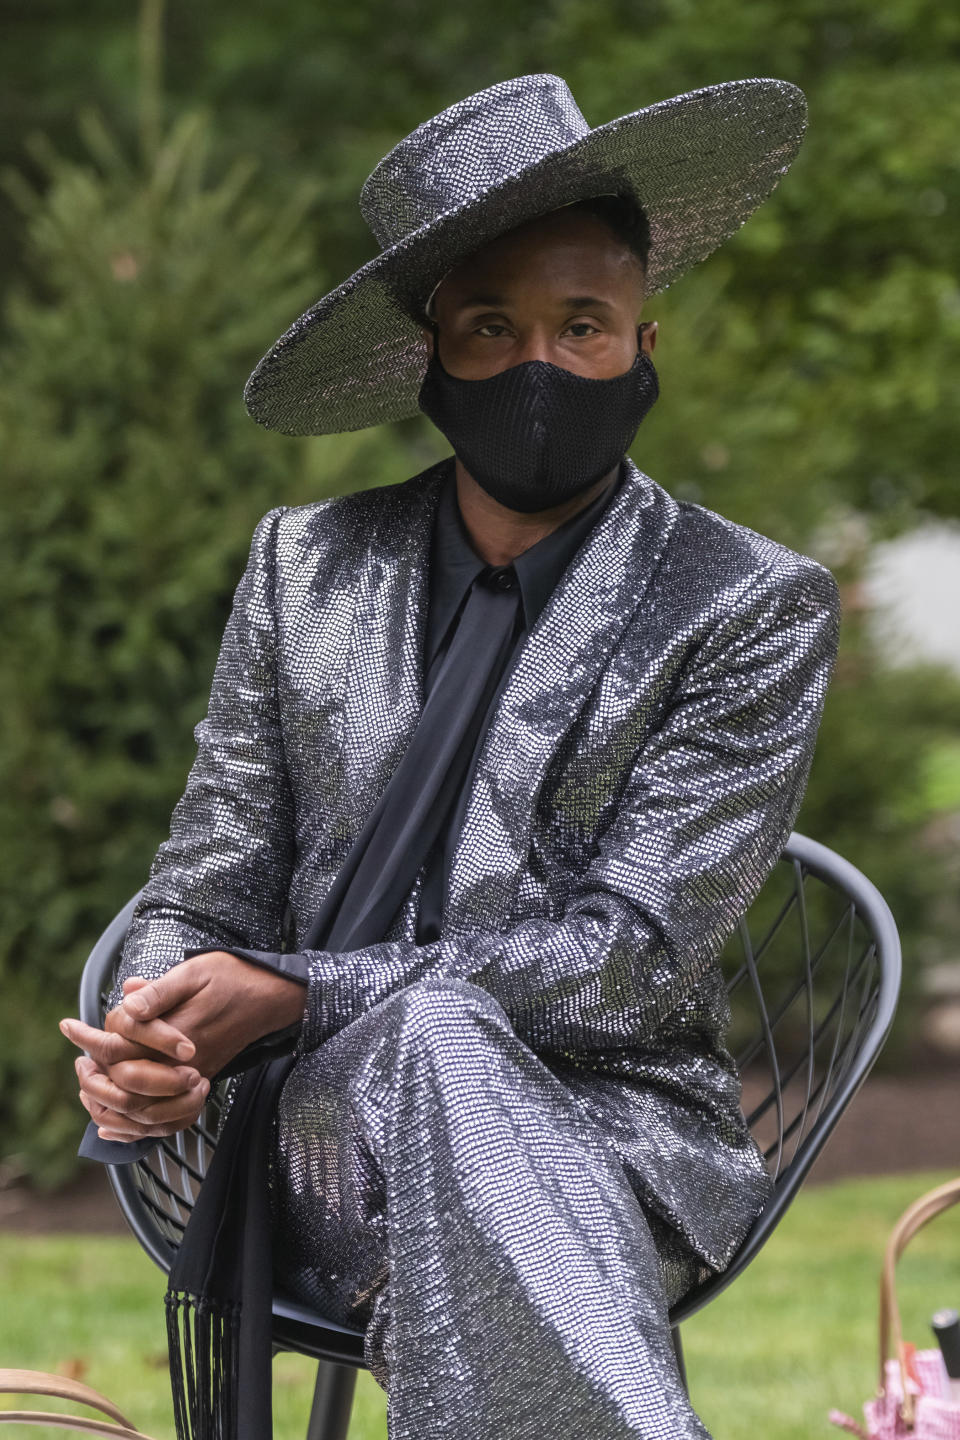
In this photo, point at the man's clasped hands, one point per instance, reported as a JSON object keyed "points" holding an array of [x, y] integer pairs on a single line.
{"points": [[147, 1073]]}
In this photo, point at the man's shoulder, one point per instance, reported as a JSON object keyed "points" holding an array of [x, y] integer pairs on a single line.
{"points": [[339, 522], [716, 554], [364, 508]]}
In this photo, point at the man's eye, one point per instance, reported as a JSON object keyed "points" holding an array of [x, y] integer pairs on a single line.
{"points": [[582, 328], [490, 327]]}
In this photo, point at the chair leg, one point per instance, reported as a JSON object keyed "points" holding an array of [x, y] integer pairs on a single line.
{"points": [[332, 1401], [678, 1351]]}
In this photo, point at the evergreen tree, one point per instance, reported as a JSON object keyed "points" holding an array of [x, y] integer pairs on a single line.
{"points": [[132, 480]]}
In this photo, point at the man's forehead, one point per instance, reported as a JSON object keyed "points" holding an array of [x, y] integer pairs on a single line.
{"points": [[567, 232], [582, 247]]}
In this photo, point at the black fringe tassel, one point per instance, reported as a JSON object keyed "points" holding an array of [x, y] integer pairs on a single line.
{"points": [[203, 1339]]}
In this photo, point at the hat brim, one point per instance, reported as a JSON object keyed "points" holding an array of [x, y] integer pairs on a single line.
{"points": [[699, 164]]}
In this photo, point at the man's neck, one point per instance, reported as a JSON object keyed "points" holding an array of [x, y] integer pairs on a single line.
{"points": [[499, 534]]}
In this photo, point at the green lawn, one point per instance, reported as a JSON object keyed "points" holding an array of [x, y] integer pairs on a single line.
{"points": [[792, 1337]]}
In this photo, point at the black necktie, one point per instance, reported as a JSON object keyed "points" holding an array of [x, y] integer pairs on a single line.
{"points": [[407, 819]]}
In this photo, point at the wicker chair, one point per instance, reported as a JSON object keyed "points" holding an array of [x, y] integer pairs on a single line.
{"points": [[813, 977]]}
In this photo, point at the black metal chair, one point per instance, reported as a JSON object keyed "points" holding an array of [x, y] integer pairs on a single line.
{"points": [[813, 977]]}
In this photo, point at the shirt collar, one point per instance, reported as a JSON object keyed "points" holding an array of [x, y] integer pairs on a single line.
{"points": [[454, 564]]}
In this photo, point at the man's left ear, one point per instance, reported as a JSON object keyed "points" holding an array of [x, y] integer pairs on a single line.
{"points": [[647, 331], [428, 335]]}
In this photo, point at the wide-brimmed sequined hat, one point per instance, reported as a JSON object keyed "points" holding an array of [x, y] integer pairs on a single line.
{"points": [[699, 164]]}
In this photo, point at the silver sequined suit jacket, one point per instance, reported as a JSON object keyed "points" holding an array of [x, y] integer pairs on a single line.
{"points": [[636, 785]]}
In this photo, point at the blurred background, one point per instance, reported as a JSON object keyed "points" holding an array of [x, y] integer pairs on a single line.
{"points": [[179, 181]]}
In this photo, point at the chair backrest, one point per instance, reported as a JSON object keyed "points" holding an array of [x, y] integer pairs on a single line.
{"points": [[812, 975]]}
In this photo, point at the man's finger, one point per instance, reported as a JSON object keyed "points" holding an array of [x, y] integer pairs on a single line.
{"points": [[85, 1066], [162, 1117], [121, 1126], [179, 983], [152, 1034], [151, 1077], [112, 1126], [102, 1088], [102, 1115], [179, 1111], [107, 1048]]}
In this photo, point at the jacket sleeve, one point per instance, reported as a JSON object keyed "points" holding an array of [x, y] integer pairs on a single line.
{"points": [[223, 876], [707, 807]]}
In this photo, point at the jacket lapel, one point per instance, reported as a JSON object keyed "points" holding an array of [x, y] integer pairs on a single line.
{"points": [[384, 672], [556, 671]]}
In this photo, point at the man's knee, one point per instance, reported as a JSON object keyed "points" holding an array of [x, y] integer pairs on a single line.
{"points": [[438, 1010]]}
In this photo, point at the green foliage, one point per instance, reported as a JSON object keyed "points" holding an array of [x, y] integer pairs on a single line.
{"points": [[808, 373], [132, 480], [793, 1336]]}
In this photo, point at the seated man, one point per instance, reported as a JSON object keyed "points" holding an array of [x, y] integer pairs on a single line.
{"points": [[495, 760]]}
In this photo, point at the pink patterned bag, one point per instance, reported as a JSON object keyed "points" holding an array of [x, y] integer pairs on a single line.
{"points": [[914, 1399]]}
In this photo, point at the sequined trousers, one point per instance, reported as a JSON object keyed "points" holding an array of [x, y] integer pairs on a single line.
{"points": [[434, 1181]]}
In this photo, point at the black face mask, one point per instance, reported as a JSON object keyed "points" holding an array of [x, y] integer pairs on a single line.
{"points": [[535, 434]]}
